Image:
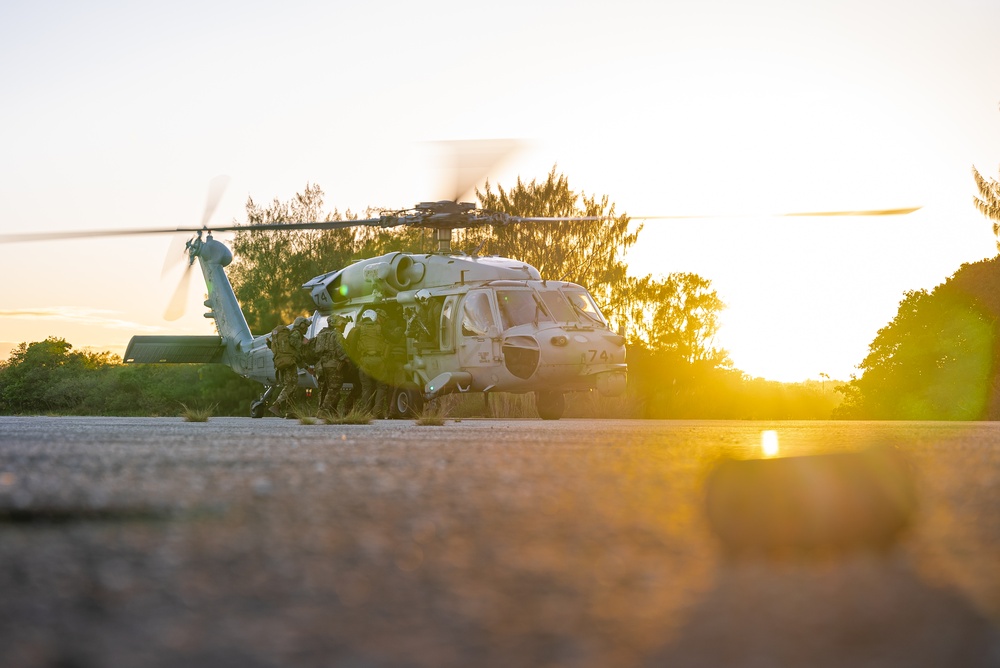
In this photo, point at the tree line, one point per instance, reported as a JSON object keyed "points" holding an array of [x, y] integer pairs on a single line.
{"points": [[50, 377]]}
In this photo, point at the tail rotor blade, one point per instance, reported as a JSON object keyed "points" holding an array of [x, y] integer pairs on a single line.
{"points": [[178, 302], [175, 254]]}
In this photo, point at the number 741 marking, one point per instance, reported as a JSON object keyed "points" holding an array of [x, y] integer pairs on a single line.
{"points": [[592, 356]]}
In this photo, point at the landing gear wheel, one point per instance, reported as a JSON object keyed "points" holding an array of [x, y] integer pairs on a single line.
{"points": [[258, 407], [407, 402], [550, 405]]}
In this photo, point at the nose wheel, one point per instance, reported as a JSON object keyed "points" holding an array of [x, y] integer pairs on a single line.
{"points": [[550, 405]]}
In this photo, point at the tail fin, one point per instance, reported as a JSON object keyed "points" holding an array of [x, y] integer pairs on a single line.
{"points": [[213, 257]]}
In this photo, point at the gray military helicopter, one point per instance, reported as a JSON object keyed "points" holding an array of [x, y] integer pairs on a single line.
{"points": [[474, 323]]}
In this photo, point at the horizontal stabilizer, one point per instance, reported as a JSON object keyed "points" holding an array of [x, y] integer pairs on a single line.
{"points": [[174, 350]]}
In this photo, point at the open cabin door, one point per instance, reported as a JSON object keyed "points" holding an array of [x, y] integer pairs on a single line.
{"points": [[479, 335]]}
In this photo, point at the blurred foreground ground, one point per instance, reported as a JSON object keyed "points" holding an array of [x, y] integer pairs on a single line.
{"points": [[238, 542]]}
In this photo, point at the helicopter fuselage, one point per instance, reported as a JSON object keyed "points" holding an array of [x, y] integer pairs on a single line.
{"points": [[481, 324]]}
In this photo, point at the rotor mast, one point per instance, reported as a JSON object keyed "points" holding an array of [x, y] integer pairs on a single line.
{"points": [[442, 237], [445, 216]]}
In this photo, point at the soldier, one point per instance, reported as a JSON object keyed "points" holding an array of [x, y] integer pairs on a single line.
{"points": [[416, 328], [394, 332], [331, 363], [298, 338], [287, 349], [370, 350]]}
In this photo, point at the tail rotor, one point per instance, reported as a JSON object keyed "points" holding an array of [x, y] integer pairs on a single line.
{"points": [[181, 249]]}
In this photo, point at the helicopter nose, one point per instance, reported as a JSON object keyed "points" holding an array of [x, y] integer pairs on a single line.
{"points": [[565, 357]]}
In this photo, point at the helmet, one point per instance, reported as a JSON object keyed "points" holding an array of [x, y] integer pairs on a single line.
{"points": [[300, 321], [336, 321], [369, 314]]}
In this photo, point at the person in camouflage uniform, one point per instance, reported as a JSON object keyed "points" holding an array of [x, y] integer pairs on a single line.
{"points": [[394, 332], [369, 347], [287, 349], [331, 362]]}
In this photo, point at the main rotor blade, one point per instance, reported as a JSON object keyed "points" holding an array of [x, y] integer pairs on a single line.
{"points": [[801, 214], [178, 302], [555, 219], [88, 234], [867, 212], [472, 160]]}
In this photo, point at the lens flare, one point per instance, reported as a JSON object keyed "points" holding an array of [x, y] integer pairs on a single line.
{"points": [[769, 442]]}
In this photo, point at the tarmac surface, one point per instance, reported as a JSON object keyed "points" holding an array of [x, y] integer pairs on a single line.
{"points": [[239, 542]]}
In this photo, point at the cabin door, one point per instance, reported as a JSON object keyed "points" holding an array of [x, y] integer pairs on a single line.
{"points": [[479, 336]]}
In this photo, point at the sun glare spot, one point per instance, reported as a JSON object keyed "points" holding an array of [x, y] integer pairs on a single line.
{"points": [[769, 442]]}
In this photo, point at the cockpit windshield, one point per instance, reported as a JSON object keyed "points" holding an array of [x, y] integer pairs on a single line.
{"points": [[519, 307], [558, 307], [585, 306], [477, 316]]}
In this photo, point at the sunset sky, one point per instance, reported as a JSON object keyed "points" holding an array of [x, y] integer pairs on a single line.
{"points": [[118, 114]]}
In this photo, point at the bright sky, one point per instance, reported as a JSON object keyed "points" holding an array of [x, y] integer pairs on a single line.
{"points": [[118, 114]]}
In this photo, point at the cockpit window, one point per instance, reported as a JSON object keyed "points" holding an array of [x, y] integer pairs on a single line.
{"points": [[519, 307], [558, 306], [447, 316], [584, 305], [477, 316]]}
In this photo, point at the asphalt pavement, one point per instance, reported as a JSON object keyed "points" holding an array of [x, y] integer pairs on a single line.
{"points": [[240, 542]]}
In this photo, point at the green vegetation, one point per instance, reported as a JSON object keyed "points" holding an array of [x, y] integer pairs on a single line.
{"points": [[353, 416], [49, 377], [936, 360], [431, 420], [197, 414]]}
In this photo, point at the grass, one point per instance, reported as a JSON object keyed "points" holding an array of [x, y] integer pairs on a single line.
{"points": [[302, 414], [354, 416], [433, 417], [197, 414], [430, 420]]}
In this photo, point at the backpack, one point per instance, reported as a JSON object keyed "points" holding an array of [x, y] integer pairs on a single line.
{"points": [[370, 339], [281, 346]]}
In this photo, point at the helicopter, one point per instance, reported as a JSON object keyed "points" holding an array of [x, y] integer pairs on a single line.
{"points": [[478, 323]]}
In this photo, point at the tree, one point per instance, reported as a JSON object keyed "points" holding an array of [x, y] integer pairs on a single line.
{"points": [[934, 361], [48, 376], [988, 201], [679, 313], [271, 266]]}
